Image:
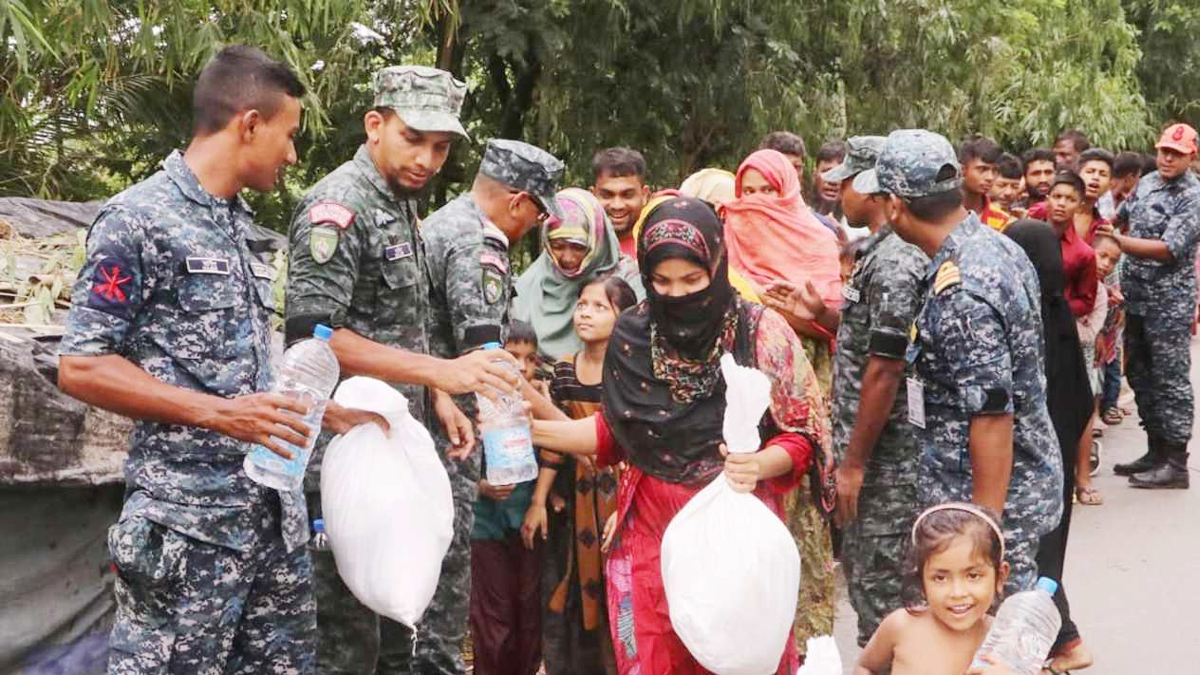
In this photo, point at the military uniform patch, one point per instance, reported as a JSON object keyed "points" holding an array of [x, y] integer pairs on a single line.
{"points": [[331, 212], [322, 243], [493, 285]]}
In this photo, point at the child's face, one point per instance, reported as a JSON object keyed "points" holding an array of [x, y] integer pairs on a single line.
{"points": [[960, 584], [526, 355], [1097, 178], [1107, 256], [594, 315]]}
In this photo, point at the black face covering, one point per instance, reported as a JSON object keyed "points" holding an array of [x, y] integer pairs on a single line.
{"points": [[687, 229]]}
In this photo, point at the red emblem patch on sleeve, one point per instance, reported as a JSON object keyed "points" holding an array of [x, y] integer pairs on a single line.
{"points": [[109, 284], [331, 212]]}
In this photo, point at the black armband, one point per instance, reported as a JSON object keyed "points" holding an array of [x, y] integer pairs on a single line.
{"points": [[300, 326], [887, 345], [996, 401]]}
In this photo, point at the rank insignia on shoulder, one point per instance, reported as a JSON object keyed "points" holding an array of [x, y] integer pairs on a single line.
{"points": [[330, 212], [947, 277]]}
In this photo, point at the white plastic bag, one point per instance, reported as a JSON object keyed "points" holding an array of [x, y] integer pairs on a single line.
{"points": [[387, 505], [821, 657], [747, 395], [731, 570]]}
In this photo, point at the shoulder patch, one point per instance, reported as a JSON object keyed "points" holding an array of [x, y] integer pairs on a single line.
{"points": [[494, 260], [331, 212], [947, 277]]}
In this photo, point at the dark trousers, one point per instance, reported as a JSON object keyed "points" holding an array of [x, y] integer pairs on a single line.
{"points": [[506, 606], [1158, 364], [1052, 549], [1112, 384]]}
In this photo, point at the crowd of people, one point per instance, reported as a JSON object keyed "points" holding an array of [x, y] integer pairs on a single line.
{"points": [[942, 327]]}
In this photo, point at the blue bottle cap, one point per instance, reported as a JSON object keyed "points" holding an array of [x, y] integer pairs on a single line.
{"points": [[322, 332], [319, 525], [1047, 584], [491, 345]]}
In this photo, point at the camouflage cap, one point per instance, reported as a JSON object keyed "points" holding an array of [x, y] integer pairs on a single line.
{"points": [[524, 167], [861, 153], [427, 99], [912, 164]]}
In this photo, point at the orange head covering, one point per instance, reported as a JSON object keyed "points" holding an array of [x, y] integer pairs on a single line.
{"points": [[776, 236]]}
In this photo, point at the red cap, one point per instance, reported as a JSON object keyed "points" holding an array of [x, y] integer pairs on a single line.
{"points": [[1180, 138]]}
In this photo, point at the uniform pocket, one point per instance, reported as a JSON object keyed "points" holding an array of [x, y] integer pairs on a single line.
{"points": [[206, 326], [139, 647]]}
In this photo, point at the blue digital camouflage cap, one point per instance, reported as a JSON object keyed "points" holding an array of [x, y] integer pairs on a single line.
{"points": [[861, 154], [913, 163], [524, 167], [426, 99]]}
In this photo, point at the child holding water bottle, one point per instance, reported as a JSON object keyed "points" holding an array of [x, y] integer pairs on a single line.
{"points": [[957, 570], [506, 608]]}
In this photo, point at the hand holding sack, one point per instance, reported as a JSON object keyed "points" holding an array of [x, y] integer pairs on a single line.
{"points": [[730, 568], [388, 509]]}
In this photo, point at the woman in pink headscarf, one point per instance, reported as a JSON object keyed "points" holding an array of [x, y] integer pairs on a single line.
{"points": [[771, 233]]}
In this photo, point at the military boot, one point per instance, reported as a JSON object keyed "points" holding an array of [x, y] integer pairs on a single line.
{"points": [[1151, 460], [1171, 475]]}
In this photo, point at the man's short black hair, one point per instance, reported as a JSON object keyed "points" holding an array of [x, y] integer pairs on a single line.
{"points": [[935, 207], [1149, 163], [831, 150], [237, 79], [785, 142], [1010, 167], [979, 147], [619, 162], [1078, 140], [1036, 155], [1068, 178], [1096, 155], [521, 331], [1127, 164]]}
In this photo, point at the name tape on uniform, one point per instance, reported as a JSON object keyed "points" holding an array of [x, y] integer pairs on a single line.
{"points": [[197, 265], [397, 251]]}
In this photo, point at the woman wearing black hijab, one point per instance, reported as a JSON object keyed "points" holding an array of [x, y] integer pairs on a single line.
{"points": [[1068, 396], [663, 406]]}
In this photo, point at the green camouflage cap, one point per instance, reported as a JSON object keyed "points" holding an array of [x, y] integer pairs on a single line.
{"points": [[524, 167], [909, 166], [861, 153], [426, 99]]}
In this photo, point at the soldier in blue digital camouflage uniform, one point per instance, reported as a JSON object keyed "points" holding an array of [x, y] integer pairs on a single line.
{"points": [[875, 446], [978, 395], [357, 263], [470, 281], [170, 325], [1158, 278]]}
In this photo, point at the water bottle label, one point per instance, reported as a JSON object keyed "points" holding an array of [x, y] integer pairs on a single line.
{"points": [[508, 448], [295, 467]]}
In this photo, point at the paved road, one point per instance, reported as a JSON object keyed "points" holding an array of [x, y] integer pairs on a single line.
{"points": [[1133, 568]]}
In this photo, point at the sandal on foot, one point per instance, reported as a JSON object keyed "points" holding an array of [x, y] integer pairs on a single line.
{"points": [[1088, 495], [1112, 417]]}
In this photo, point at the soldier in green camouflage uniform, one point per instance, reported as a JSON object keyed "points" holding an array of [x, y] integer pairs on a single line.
{"points": [[358, 264], [874, 445], [977, 400], [170, 325], [470, 283]]}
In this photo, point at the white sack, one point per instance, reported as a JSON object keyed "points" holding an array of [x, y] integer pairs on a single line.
{"points": [[747, 395], [731, 572], [387, 505], [822, 657]]}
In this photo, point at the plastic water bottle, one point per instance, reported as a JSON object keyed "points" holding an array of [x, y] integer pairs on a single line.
{"points": [[320, 541], [1024, 630], [309, 373], [507, 443]]}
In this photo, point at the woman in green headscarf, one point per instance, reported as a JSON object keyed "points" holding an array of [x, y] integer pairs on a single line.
{"points": [[574, 250]]}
